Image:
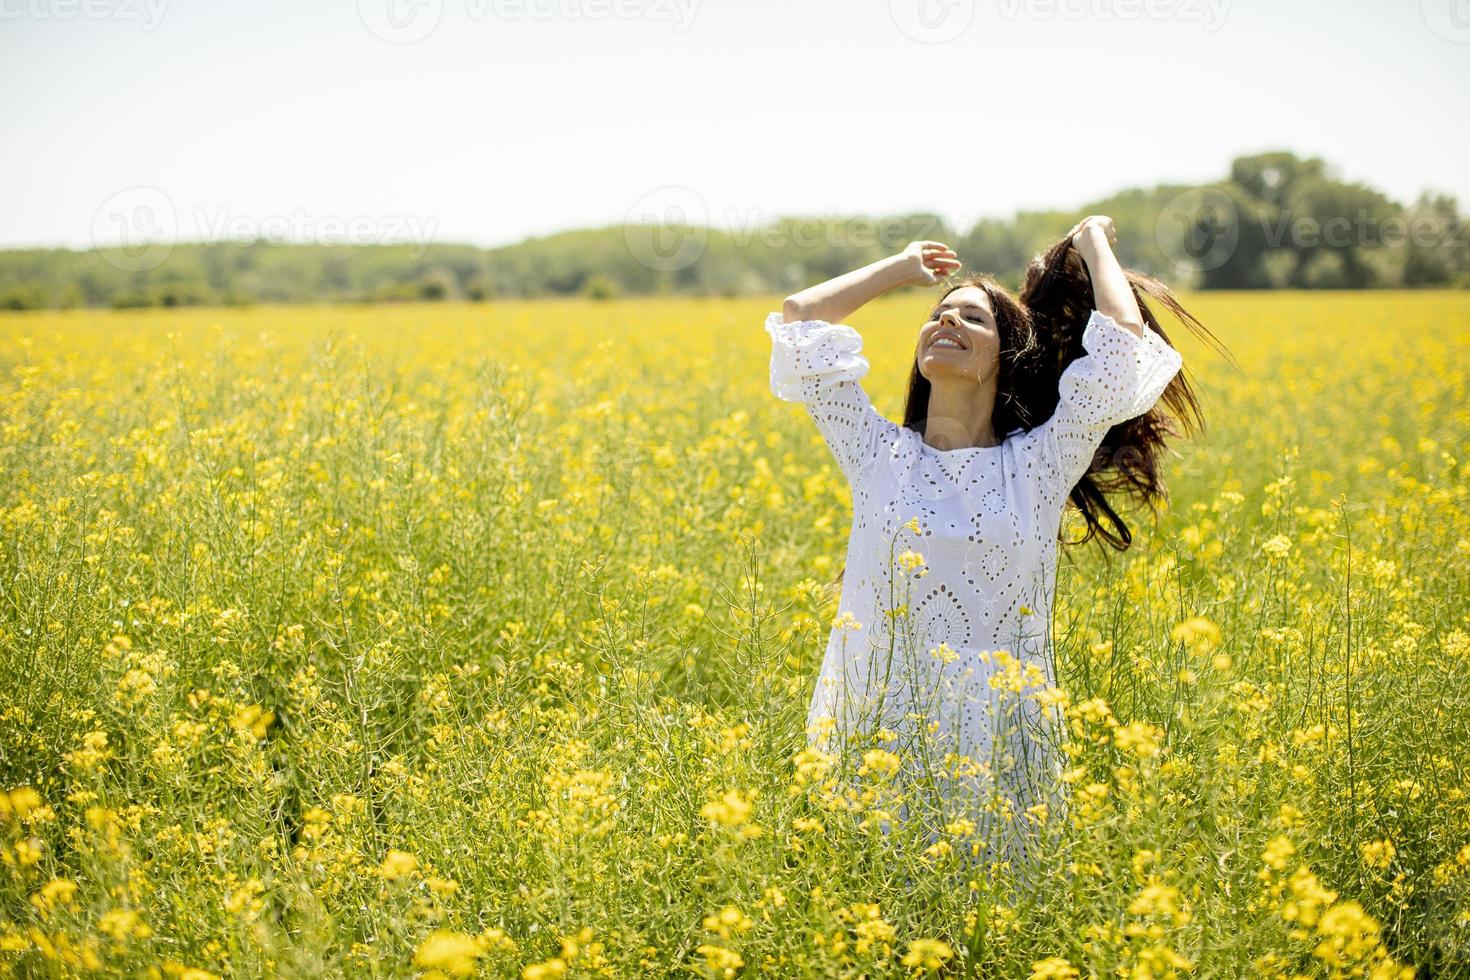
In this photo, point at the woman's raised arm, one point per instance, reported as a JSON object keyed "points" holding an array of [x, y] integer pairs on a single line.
{"points": [[1112, 295], [1124, 369], [920, 264]]}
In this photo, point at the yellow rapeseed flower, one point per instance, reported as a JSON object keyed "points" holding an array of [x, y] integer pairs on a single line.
{"points": [[124, 924], [55, 893], [1278, 851], [252, 718], [451, 954], [719, 961], [1053, 968], [731, 809], [1140, 739], [910, 560], [728, 922], [927, 954], [19, 802], [398, 864], [1196, 633], [880, 762], [1277, 547], [545, 970], [1378, 854]]}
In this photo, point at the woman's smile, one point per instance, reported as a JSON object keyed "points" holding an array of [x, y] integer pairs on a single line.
{"points": [[947, 340]]}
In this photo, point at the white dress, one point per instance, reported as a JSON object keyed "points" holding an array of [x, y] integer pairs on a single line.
{"points": [[988, 519]]}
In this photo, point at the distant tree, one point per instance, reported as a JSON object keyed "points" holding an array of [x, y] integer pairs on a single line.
{"points": [[1237, 227], [1270, 177], [993, 246], [1436, 249], [479, 288], [23, 296], [1322, 216], [1297, 225], [438, 283], [601, 286]]}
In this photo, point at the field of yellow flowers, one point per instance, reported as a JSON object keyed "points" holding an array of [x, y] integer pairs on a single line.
{"points": [[478, 640]]}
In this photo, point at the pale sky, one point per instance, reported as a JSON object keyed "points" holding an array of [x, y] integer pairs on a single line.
{"points": [[492, 120]]}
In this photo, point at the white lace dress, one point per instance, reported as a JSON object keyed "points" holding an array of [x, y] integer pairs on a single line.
{"points": [[988, 519]]}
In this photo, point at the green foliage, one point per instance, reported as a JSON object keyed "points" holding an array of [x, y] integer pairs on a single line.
{"points": [[1287, 222]]}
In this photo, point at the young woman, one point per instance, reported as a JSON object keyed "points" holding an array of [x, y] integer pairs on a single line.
{"points": [[1014, 407]]}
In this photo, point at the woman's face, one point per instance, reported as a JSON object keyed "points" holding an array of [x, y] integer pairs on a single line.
{"points": [[960, 340]]}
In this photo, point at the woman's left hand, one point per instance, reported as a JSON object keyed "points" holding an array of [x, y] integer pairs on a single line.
{"points": [[1092, 230]]}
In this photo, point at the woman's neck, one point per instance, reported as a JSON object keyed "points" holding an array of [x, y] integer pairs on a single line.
{"points": [[960, 415]]}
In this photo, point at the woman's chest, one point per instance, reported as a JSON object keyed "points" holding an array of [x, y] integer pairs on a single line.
{"points": [[983, 523]]}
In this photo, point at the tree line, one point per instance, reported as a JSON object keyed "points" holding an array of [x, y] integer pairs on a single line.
{"points": [[1275, 221]]}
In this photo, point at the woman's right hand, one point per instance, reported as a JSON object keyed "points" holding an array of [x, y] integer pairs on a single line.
{"points": [[920, 264], [929, 262]]}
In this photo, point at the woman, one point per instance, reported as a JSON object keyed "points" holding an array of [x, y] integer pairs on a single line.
{"points": [[941, 642]]}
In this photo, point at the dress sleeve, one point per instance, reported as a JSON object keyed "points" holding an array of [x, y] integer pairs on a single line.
{"points": [[1119, 378], [820, 365]]}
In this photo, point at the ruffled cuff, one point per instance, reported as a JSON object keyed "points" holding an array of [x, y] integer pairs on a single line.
{"points": [[1136, 369], [809, 355]]}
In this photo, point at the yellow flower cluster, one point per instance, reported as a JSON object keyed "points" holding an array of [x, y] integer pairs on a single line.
{"points": [[1341, 935]]}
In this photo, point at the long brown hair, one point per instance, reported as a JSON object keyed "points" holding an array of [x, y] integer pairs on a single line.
{"points": [[1057, 294], [1040, 334]]}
